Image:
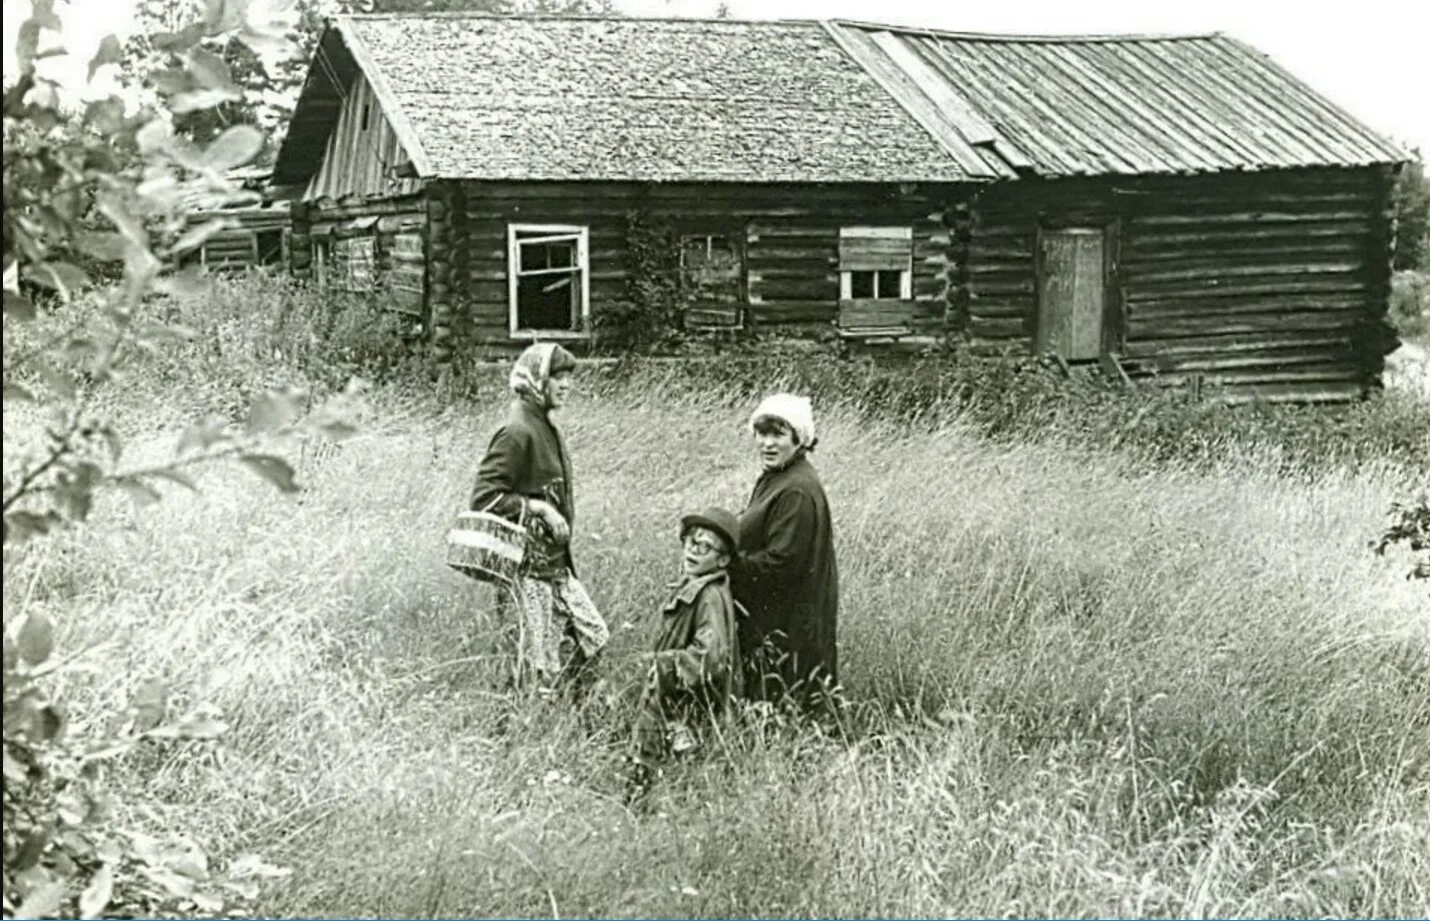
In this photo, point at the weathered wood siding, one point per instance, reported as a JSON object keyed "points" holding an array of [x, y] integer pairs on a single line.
{"points": [[398, 228], [363, 152], [791, 235], [239, 246], [1272, 285]]}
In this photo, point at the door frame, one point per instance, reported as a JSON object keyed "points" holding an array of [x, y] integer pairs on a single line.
{"points": [[1114, 301]]}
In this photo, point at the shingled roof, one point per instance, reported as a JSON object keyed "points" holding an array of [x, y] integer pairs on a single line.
{"points": [[636, 99], [1114, 105], [620, 99]]}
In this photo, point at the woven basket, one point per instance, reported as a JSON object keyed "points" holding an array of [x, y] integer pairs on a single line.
{"points": [[486, 547]]}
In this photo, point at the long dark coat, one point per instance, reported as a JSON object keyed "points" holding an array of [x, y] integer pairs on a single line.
{"points": [[527, 459], [785, 575]]}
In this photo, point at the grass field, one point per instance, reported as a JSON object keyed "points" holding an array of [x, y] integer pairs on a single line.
{"points": [[1082, 684]]}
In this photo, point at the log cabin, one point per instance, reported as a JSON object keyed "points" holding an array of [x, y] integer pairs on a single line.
{"points": [[1170, 208]]}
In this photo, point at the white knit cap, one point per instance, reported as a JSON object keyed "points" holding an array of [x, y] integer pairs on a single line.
{"points": [[796, 412]]}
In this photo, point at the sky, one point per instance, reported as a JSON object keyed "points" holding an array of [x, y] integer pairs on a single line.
{"points": [[1370, 57]]}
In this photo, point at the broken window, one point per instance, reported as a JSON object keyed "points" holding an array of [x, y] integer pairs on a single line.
{"points": [[270, 247], [876, 263], [713, 268], [549, 278]]}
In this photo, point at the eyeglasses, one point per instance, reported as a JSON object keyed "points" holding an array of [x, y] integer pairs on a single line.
{"points": [[702, 545]]}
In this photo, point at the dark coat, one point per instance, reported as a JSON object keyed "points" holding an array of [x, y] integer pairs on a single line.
{"points": [[527, 459], [786, 577], [697, 647]]}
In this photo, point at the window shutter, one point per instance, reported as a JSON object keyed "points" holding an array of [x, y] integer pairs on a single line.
{"points": [[875, 249]]}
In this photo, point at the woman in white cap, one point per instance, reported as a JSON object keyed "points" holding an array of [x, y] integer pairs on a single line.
{"points": [[785, 574], [525, 476]]}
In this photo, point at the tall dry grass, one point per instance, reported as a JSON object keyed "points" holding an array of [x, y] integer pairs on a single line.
{"points": [[1082, 685]]}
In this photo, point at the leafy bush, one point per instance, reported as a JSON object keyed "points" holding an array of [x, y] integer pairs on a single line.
{"points": [[104, 190], [1410, 303], [1020, 399]]}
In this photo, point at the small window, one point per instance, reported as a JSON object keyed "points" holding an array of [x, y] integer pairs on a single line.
{"points": [[366, 108], [549, 280], [713, 269], [270, 247], [876, 263], [354, 264]]}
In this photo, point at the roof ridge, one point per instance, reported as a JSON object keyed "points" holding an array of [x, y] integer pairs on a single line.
{"points": [[1046, 38], [578, 17]]}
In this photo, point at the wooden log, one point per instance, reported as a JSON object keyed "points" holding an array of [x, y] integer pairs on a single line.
{"points": [[1242, 323], [1212, 288]]}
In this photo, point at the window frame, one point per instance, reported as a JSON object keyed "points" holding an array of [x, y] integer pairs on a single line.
{"points": [[736, 237], [548, 232]]}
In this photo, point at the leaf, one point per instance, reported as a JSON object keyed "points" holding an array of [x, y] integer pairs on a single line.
{"points": [[109, 52], [31, 850], [42, 902], [59, 382], [202, 435], [198, 100], [273, 469], [142, 493], [105, 115], [105, 246], [181, 40], [248, 866], [185, 283], [18, 306], [95, 898], [235, 147], [174, 476], [271, 411], [64, 277], [337, 429], [150, 701], [45, 723], [121, 215], [210, 70], [36, 638], [196, 236], [21, 526]]}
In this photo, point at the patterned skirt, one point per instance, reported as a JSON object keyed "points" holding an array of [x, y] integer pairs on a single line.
{"points": [[557, 618]]}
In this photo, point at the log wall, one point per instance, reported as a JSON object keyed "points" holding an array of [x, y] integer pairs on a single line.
{"points": [[1270, 285], [400, 232], [791, 235]]}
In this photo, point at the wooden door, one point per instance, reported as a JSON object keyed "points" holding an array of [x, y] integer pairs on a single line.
{"points": [[1072, 293]]}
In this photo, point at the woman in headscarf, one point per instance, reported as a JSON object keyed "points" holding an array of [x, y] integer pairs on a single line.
{"points": [[785, 574], [526, 476]]}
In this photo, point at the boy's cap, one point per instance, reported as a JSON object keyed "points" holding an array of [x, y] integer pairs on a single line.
{"points": [[717, 520]]}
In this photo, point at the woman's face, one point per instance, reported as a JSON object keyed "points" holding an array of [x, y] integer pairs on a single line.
{"points": [[558, 389], [774, 444]]}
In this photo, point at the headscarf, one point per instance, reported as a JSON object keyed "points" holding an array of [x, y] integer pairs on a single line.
{"points": [[794, 411], [534, 367]]}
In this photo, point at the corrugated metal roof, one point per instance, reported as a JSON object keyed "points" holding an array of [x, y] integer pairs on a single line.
{"points": [[1096, 105], [575, 98]]}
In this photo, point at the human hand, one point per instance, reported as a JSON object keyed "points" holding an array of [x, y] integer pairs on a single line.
{"points": [[555, 521]]}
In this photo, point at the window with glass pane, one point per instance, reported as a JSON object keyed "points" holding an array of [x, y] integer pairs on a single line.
{"points": [[876, 263], [549, 289]]}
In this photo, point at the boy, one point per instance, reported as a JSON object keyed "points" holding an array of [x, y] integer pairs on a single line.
{"points": [[695, 667]]}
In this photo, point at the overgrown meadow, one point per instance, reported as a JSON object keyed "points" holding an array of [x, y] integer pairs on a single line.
{"points": [[1106, 655]]}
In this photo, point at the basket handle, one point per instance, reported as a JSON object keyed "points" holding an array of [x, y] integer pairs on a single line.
{"points": [[520, 516]]}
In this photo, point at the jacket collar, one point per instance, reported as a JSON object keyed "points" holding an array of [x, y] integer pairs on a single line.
{"points": [[688, 589]]}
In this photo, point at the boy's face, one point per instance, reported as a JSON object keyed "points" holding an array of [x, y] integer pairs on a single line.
{"points": [[704, 552]]}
